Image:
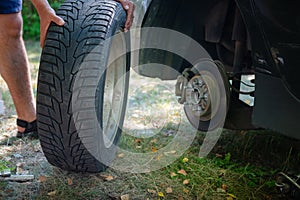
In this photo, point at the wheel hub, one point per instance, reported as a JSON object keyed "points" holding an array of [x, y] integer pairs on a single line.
{"points": [[204, 91], [197, 97], [197, 94]]}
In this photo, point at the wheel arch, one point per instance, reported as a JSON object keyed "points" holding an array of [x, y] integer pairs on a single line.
{"points": [[194, 18], [204, 21]]}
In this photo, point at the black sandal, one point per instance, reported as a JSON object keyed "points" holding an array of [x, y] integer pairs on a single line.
{"points": [[30, 129]]}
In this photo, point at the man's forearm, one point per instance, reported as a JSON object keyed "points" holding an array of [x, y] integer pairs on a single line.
{"points": [[41, 5]]}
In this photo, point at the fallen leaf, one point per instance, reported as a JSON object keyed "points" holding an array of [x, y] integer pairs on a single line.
{"points": [[222, 172], [169, 152], [42, 179], [53, 193], [106, 177], [219, 155], [224, 187], [9, 128], [151, 191], [232, 196], [6, 134], [121, 155], [159, 157], [160, 194], [185, 160], [173, 174], [137, 140], [109, 178], [154, 149], [182, 171], [169, 190], [125, 197], [186, 181], [154, 140], [70, 181], [177, 114], [7, 148], [185, 190]]}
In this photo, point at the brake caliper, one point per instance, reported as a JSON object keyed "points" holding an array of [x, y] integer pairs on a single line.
{"points": [[193, 91], [182, 85]]}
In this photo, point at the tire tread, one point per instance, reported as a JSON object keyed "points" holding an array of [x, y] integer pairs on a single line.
{"points": [[64, 47]]}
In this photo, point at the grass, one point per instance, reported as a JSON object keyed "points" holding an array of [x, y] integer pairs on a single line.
{"points": [[217, 178], [242, 165]]}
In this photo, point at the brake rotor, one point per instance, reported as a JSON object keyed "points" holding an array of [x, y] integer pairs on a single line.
{"points": [[201, 90], [207, 96]]}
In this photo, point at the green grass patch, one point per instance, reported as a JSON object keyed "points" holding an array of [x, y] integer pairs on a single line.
{"points": [[31, 28], [215, 179], [5, 165]]}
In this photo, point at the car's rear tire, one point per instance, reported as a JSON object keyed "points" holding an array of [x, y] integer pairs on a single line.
{"points": [[81, 99]]}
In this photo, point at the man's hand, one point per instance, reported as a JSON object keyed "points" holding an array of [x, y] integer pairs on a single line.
{"points": [[45, 20], [47, 15], [129, 8]]}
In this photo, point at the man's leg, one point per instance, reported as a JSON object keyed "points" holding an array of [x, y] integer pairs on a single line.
{"points": [[14, 66]]}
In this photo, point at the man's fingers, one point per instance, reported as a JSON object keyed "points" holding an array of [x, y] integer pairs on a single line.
{"points": [[129, 7], [45, 25], [59, 21], [42, 39]]}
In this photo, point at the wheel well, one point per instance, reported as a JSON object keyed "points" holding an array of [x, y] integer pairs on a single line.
{"points": [[215, 24], [218, 26]]}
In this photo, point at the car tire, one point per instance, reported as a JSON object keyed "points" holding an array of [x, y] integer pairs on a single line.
{"points": [[82, 88]]}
